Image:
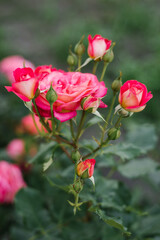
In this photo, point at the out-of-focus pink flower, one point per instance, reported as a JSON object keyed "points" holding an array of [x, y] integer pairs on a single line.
{"points": [[134, 96], [9, 64], [16, 148], [71, 88], [11, 181], [98, 46], [25, 84], [27, 125], [85, 169]]}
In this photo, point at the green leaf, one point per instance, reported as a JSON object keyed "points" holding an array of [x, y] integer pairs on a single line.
{"points": [[137, 168], [99, 115], [47, 164], [113, 222], [43, 151], [93, 121], [29, 203], [144, 136], [125, 151]]}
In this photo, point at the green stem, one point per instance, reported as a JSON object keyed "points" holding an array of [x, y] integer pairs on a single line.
{"points": [[108, 116], [95, 67], [53, 120], [96, 149], [79, 62], [41, 119], [103, 71], [34, 121], [76, 202], [71, 128], [118, 122], [80, 126]]}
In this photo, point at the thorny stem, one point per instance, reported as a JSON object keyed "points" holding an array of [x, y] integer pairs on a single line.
{"points": [[96, 149]]}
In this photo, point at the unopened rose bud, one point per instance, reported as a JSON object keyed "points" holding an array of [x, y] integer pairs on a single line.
{"points": [[72, 60], [109, 56], [117, 83], [76, 156], [79, 48], [85, 169], [114, 133], [90, 104], [51, 95]]}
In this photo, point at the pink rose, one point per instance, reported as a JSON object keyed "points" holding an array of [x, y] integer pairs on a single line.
{"points": [[85, 169], [134, 96], [16, 148], [43, 71], [71, 88], [25, 84], [11, 181], [27, 125], [98, 46], [9, 64]]}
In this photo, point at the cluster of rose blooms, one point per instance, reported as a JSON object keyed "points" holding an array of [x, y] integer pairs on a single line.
{"points": [[59, 94]]}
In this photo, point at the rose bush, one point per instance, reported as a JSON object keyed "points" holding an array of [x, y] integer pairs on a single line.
{"points": [[134, 96], [11, 181]]}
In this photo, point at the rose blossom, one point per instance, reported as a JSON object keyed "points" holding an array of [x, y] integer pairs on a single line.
{"points": [[11, 181], [71, 88], [9, 64], [85, 169], [25, 84], [98, 46], [16, 148], [134, 96]]}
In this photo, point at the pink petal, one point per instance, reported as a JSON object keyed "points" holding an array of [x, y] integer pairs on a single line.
{"points": [[65, 116]]}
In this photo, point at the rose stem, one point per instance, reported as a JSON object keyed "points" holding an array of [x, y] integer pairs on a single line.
{"points": [[95, 67], [103, 71]]}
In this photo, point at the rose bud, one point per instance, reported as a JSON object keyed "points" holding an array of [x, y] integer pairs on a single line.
{"points": [[117, 83], [109, 56], [98, 46], [90, 104], [80, 48], [114, 133], [25, 84], [51, 95], [85, 169], [16, 148], [134, 96], [11, 181]]}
